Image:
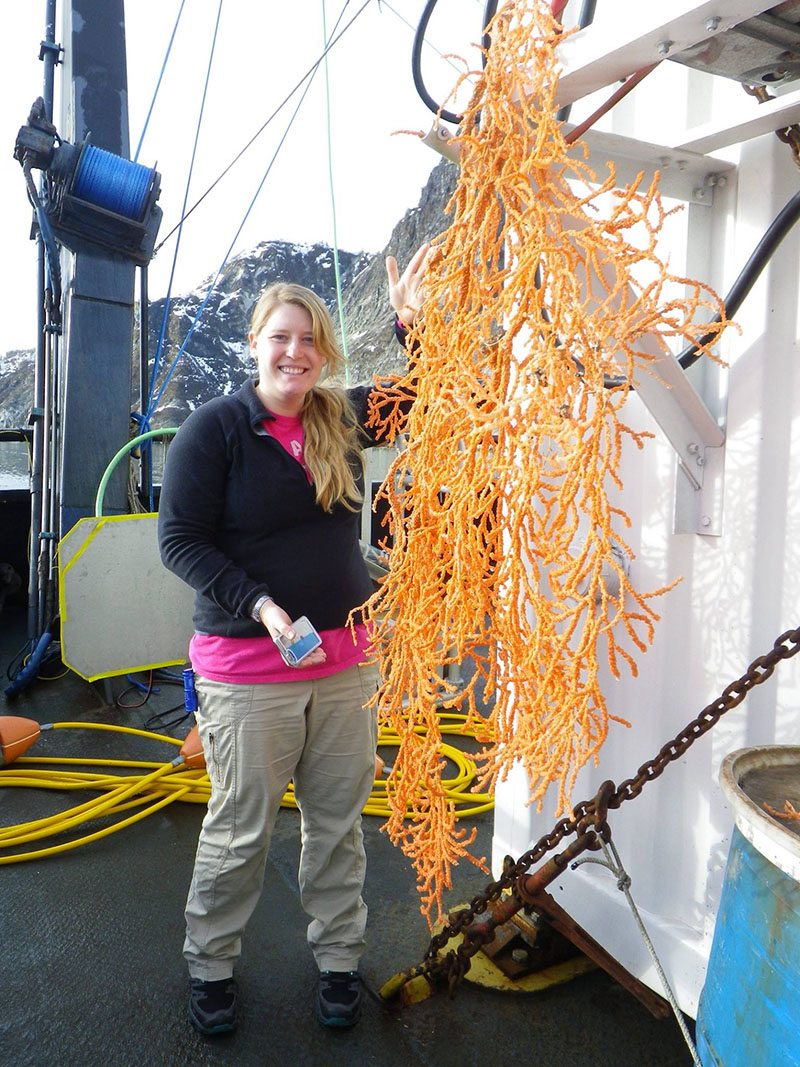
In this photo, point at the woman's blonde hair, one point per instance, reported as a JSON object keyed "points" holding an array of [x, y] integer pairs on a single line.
{"points": [[330, 430]]}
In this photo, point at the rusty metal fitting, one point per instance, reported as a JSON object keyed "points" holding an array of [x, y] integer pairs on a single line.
{"points": [[760, 92], [528, 886]]}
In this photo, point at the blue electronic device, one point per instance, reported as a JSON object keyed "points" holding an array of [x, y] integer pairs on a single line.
{"points": [[306, 639]]}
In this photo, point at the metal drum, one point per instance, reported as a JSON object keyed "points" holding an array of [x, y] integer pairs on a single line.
{"points": [[749, 1012]]}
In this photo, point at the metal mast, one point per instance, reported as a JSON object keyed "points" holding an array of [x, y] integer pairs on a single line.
{"points": [[99, 284]]}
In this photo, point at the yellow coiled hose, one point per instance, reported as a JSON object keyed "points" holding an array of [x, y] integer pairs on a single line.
{"points": [[150, 786]]}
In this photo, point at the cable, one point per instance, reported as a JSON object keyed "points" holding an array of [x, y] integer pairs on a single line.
{"points": [[762, 253], [30, 671], [336, 270], [416, 67], [416, 57], [148, 690], [309, 73], [403, 19], [158, 83], [177, 779], [160, 717], [19, 660], [193, 325], [165, 317], [760, 256], [52, 261], [488, 14], [154, 400]]}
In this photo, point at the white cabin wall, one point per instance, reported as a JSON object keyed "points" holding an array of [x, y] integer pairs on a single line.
{"points": [[738, 591]]}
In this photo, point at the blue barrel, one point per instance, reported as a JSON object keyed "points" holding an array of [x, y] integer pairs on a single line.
{"points": [[749, 1011]]}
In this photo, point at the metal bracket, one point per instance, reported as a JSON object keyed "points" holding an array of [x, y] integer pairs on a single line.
{"points": [[440, 138], [52, 48], [699, 442]]}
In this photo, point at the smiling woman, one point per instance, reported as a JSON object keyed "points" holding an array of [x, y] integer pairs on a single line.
{"points": [[292, 338], [284, 341], [260, 513]]}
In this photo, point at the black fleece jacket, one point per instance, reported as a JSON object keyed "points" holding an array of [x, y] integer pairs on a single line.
{"points": [[238, 519]]}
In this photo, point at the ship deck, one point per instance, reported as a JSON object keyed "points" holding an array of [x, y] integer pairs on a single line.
{"points": [[91, 966]]}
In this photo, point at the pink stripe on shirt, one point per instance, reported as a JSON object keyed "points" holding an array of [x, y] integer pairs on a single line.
{"points": [[256, 660]]}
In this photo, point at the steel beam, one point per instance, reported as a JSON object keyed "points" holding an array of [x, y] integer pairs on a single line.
{"points": [[756, 119], [640, 34]]}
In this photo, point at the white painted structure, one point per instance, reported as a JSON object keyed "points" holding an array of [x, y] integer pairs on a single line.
{"points": [[740, 585]]}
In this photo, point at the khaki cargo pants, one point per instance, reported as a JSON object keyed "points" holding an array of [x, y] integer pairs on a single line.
{"points": [[256, 739]]}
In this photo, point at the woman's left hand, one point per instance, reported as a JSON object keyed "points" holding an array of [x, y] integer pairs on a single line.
{"points": [[405, 291]]}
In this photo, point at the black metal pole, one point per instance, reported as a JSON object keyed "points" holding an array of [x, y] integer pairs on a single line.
{"points": [[48, 53], [146, 451]]}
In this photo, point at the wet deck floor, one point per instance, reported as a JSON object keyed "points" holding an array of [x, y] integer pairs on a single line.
{"points": [[91, 971]]}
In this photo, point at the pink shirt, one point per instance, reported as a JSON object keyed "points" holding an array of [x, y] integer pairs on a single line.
{"points": [[288, 429], [256, 660]]}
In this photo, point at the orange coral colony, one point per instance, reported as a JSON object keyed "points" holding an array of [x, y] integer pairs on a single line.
{"points": [[532, 329]]}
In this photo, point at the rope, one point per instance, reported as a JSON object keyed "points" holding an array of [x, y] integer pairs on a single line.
{"points": [[337, 272], [154, 402], [623, 884], [164, 321], [112, 183], [308, 74], [193, 325], [158, 83]]}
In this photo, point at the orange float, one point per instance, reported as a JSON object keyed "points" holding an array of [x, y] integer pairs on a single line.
{"points": [[16, 737]]}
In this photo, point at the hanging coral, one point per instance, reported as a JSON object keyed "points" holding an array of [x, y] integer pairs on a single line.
{"points": [[542, 306]]}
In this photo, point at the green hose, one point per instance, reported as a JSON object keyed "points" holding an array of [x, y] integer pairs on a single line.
{"points": [[168, 431]]}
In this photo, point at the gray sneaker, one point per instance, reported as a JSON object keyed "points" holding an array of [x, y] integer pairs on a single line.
{"points": [[339, 998], [212, 1005]]}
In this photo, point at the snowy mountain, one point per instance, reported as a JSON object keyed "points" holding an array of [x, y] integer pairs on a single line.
{"points": [[215, 358]]}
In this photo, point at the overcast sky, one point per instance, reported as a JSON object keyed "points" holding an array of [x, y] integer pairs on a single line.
{"points": [[262, 51]]}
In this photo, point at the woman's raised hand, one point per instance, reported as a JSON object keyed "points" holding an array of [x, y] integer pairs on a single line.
{"points": [[405, 290]]}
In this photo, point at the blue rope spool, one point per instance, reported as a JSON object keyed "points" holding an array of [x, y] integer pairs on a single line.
{"points": [[112, 183]]}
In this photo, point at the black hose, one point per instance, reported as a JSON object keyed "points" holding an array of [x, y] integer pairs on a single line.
{"points": [[488, 14], [586, 18], [416, 57], [761, 255], [48, 239]]}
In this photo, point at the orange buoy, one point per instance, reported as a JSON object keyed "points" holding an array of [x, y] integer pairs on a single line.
{"points": [[16, 736], [379, 767], [192, 749]]}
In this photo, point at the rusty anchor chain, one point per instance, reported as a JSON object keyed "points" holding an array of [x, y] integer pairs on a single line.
{"points": [[589, 821]]}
